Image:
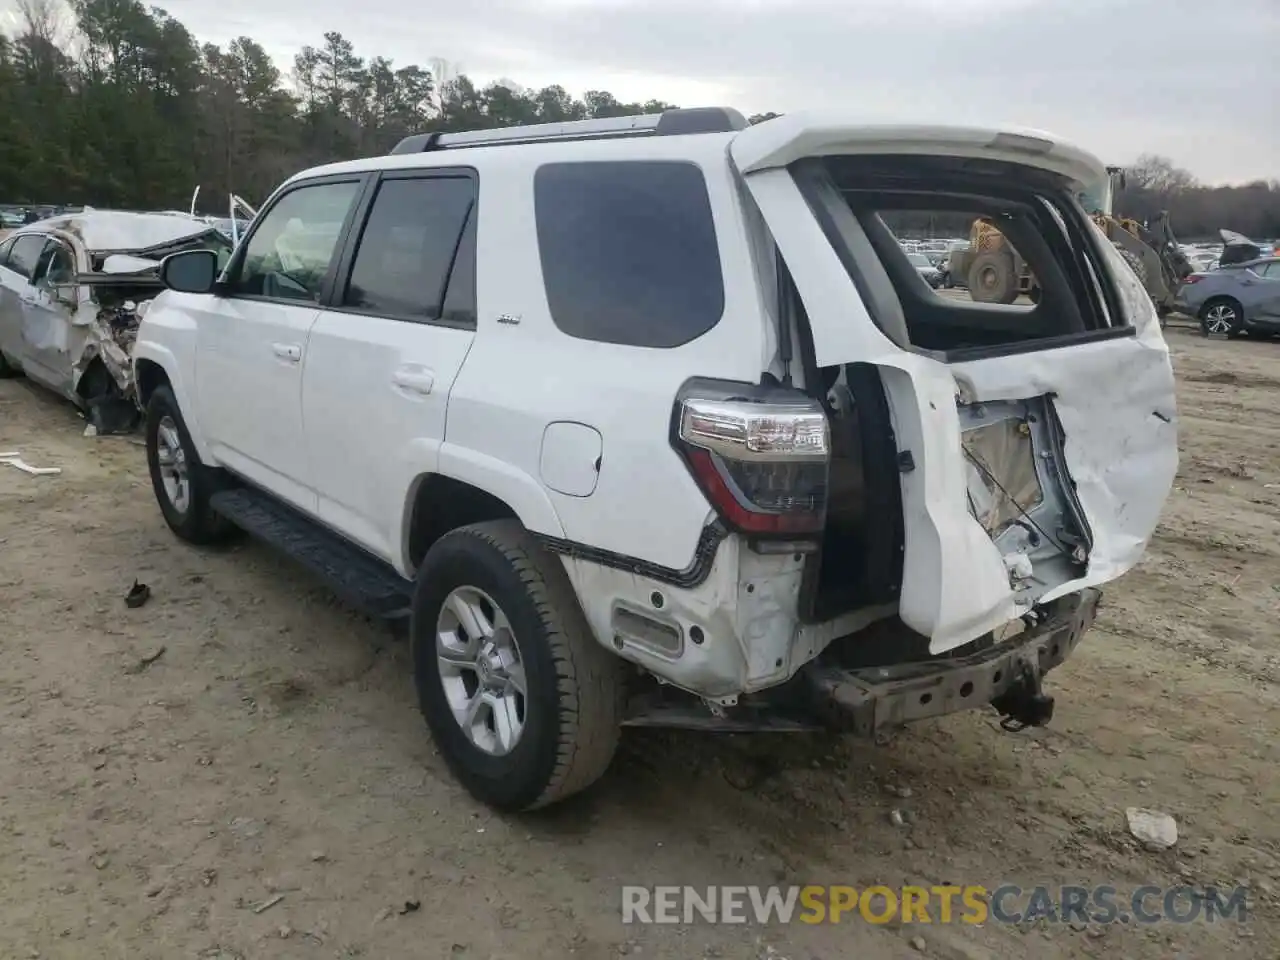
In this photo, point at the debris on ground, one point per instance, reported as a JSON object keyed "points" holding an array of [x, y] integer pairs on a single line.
{"points": [[147, 661], [266, 905], [138, 594], [410, 906], [14, 459], [1156, 829]]}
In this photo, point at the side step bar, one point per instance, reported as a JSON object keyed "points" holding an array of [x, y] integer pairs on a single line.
{"points": [[359, 579]]}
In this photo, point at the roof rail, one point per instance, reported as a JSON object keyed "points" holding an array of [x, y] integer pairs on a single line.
{"points": [[668, 123]]}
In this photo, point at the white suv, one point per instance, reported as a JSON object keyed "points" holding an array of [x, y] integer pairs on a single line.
{"points": [[651, 421]]}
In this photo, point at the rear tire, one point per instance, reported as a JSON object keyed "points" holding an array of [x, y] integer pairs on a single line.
{"points": [[7, 370], [1222, 316], [566, 721], [992, 280], [185, 503]]}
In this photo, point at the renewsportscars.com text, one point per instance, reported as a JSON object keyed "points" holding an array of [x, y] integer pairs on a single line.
{"points": [[970, 904]]}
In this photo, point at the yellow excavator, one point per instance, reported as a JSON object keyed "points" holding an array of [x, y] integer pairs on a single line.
{"points": [[996, 273]]}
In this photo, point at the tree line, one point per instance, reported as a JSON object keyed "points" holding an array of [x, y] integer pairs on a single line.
{"points": [[118, 105], [1198, 211]]}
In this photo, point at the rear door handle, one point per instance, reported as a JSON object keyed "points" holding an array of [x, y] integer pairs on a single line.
{"points": [[416, 380], [29, 298], [287, 351]]}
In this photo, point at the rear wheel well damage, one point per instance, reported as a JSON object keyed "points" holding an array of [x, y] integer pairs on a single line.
{"points": [[441, 504]]}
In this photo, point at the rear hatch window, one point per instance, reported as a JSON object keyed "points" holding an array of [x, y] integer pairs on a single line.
{"points": [[1032, 275]]}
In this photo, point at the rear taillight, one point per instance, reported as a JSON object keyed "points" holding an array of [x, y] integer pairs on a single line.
{"points": [[1192, 278], [759, 454]]}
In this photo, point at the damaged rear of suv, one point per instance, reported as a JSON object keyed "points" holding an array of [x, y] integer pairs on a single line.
{"points": [[651, 421], [991, 466]]}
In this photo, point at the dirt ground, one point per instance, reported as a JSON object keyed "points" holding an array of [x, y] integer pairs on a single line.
{"points": [[167, 771]]}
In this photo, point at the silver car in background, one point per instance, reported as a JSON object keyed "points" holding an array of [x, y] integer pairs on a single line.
{"points": [[72, 291], [1235, 298]]}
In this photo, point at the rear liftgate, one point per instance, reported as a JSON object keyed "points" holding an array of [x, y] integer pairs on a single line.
{"points": [[1033, 473]]}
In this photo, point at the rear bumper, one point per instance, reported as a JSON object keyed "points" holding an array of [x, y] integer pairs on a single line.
{"points": [[867, 701]]}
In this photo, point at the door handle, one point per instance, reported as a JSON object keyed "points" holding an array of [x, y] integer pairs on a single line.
{"points": [[29, 298], [287, 351], [419, 380]]}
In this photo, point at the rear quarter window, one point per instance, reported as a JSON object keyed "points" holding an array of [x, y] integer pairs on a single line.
{"points": [[628, 250]]}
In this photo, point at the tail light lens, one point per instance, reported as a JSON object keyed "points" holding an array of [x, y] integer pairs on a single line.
{"points": [[1192, 278], [760, 456]]}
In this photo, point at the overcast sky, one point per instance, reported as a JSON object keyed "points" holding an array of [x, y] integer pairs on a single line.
{"points": [[1195, 80]]}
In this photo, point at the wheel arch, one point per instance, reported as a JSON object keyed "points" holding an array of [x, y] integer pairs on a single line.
{"points": [[148, 375], [154, 366], [437, 502]]}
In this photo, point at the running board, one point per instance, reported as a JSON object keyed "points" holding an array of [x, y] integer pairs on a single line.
{"points": [[359, 579]]}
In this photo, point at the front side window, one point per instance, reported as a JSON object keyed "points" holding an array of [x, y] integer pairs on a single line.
{"points": [[289, 254], [57, 265], [408, 247], [629, 252]]}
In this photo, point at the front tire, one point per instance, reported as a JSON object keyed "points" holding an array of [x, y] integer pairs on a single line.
{"points": [[7, 369], [523, 703], [1222, 316], [182, 484]]}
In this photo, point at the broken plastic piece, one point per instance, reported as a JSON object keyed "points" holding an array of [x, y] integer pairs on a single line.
{"points": [[15, 460]]}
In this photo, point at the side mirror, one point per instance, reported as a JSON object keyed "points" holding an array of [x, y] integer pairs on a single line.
{"points": [[191, 271]]}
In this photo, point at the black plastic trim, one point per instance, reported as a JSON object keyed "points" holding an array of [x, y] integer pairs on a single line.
{"points": [[1036, 346], [704, 556], [881, 580], [675, 123]]}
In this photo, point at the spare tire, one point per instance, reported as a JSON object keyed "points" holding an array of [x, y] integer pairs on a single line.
{"points": [[991, 278]]}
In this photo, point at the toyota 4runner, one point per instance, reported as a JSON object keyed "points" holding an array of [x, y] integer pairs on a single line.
{"points": [[651, 421]]}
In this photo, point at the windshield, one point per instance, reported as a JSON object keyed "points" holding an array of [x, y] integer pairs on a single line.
{"points": [[919, 260]]}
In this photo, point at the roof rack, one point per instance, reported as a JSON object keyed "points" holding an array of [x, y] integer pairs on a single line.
{"points": [[668, 123]]}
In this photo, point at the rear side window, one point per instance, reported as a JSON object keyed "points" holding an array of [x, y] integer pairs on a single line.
{"points": [[408, 248], [629, 253]]}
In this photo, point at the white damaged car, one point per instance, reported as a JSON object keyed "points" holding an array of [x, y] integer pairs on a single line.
{"points": [[72, 289]]}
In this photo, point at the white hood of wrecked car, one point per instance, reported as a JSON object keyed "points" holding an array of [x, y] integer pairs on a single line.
{"points": [[116, 230], [126, 264]]}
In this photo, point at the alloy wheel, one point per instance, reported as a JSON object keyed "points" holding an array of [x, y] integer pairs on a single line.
{"points": [[481, 670]]}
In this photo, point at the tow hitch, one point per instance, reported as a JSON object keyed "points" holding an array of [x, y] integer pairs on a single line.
{"points": [[1024, 703], [870, 700]]}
